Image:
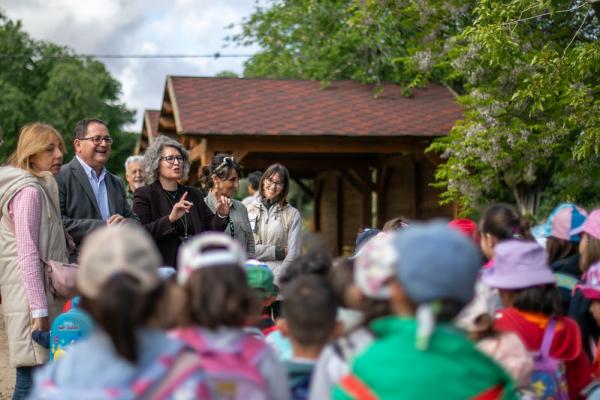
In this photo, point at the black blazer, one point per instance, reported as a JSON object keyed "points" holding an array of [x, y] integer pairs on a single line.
{"points": [[78, 205], [151, 205]]}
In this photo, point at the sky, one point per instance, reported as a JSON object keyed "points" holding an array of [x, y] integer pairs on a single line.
{"points": [[140, 27]]}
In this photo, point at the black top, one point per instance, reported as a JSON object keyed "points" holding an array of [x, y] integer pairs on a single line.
{"points": [[153, 204]]}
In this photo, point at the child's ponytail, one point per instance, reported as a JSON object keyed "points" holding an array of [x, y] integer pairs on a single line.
{"points": [[117, 312]]}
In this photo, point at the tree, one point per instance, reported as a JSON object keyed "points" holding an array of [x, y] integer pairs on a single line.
{"points": [[525, 71], [365, 40], [531, 104], [40, 81]]}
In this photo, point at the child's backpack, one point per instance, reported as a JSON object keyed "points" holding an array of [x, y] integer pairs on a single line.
{"points": [[68, 328], [548, 380], [231, 374]]}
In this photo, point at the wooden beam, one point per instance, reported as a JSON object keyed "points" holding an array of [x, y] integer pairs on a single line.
{"points": [[339, 216], [167, 124], [315, 145], [304, 188], [197, 151], [167, 107], [239, 154], [318, 195]]}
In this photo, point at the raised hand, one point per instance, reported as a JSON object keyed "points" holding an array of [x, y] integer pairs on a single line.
{"points": [[180, 208], [223, 206]]}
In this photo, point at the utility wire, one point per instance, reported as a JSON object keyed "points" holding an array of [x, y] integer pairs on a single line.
{"points": [[127, 56], [544, 14]]}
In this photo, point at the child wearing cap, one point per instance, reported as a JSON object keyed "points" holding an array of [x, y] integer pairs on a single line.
{"points": [[533, 311], [219, 304], [260, 278], [562, 246], [579, 308], [418, 354], [127, 356], [368, 292], [309, 322]]}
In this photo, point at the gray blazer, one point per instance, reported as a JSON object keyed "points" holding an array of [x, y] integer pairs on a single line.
{"points": [[238, 215], [78, 205]]}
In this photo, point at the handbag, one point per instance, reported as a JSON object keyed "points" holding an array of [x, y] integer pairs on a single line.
{"points": [[61, 277]]}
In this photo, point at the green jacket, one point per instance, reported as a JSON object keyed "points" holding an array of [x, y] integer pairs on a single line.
{"points": [[393, 368]]}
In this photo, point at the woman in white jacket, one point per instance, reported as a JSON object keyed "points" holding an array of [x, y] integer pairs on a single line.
{"points": [[275, 223]]}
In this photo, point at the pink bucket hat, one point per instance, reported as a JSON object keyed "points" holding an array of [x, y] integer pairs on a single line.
{"points": [[591, 226], [518, 265], [374, 266], [591, 290]]}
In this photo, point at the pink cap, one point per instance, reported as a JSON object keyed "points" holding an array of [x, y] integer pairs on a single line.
{"points": [[591, 226]]}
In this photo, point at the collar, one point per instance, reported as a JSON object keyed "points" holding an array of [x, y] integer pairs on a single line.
{"points": [[89, 171]]}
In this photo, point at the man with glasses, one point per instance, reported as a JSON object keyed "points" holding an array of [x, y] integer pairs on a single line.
{"points": [[90, 196]]}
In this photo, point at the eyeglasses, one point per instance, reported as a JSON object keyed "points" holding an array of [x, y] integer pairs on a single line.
{"points": [[274, 183], [98, 139], [171, 159]]}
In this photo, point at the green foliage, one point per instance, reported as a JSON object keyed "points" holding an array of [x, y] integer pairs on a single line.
{"points": [[58, 91], [227, 74], [531, 105], [366, 40]]}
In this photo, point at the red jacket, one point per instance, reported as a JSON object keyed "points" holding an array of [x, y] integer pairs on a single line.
{"points": [[566, 345]]}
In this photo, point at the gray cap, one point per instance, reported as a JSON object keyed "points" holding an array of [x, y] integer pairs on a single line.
{"points": [[436, 262], [110, 250]]}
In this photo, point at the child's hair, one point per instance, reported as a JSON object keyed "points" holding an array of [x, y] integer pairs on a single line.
{"points": [[504, 222], [559, 248], [309, 310], [543, 299], [220, 296], [341, 278], [314, 263], [395, 224], [592, 253], [121, 310]]}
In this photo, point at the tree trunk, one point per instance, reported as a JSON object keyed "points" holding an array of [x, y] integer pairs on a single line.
{"points": [[528, 199]]}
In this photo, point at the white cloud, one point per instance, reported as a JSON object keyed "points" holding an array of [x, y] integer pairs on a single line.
{"points": [[139, 27]]}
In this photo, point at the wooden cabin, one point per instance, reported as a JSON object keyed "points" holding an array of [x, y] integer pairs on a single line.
{"points": [[363, 149]]}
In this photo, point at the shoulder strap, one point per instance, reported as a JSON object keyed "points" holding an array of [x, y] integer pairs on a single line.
{"points": [[356, 388], [253, 349], [186, 364], [548, 337]]}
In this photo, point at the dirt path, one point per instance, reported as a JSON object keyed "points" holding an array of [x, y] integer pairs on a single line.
{"points": [[7, 373]]}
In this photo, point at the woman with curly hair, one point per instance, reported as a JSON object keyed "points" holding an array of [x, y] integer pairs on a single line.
{"points": [[170, 211]]}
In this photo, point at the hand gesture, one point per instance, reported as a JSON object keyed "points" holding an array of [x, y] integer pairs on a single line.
{"points": [[223, 206], [115, 219], [180, 208]]}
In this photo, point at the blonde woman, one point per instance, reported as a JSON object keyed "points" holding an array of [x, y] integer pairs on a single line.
{"points": [[30, 231]]}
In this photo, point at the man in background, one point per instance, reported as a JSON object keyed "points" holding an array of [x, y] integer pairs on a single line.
{"points": [[253, 182], [134, 175]]}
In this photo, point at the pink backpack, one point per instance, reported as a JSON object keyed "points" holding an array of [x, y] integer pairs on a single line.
{"points": [[231, 374]]}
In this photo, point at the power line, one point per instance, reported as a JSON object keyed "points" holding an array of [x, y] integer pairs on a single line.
{"points": [[545, 14], [126, 56]]}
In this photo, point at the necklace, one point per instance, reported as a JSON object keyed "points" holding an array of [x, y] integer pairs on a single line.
{"points": [[173, 197]]}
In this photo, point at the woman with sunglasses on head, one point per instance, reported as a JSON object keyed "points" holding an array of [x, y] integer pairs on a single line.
{"points": [[221, 178], [275, 223], [170, 211]]}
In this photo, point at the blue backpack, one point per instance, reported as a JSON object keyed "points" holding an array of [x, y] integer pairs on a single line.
{"points": [[68, 328]]}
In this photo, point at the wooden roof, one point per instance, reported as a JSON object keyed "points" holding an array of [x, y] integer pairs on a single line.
{"points": [[149, 129], [270, 107]]}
